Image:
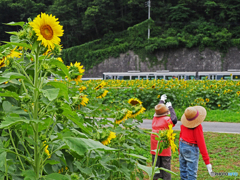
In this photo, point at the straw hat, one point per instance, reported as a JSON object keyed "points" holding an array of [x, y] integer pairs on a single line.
{"points": [[161, 110], [193, 116]]}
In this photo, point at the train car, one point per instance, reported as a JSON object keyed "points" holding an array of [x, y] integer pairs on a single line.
{"points": [[167, 75]]}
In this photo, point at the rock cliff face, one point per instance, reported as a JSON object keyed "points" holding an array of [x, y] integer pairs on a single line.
{"points": [[172, 60]]}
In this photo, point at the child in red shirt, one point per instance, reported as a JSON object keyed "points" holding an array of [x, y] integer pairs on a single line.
{"points": [[191, 141], [160, 122]]}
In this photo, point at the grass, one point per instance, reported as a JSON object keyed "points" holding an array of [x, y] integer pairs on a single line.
{"points": [[223, 150], [212, 115]]}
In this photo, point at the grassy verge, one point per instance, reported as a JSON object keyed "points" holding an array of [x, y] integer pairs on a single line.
{"points": [[223, 149], [212, 115]]}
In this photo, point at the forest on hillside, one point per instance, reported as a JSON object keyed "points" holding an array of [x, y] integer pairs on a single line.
{"points": [[97, 29]]}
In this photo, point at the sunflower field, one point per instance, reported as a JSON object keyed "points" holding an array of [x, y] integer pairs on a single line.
{"points": [[212, 94], [50, 128]]}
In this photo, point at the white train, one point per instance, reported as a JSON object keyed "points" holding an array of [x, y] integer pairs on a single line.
{"points": [[167, 75]]}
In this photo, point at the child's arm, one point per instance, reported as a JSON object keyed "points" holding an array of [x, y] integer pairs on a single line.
{"points": [[172, 113], [198, 134]]}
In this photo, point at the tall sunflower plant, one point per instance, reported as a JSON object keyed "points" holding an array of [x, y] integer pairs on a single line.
{"points": [[42, 134], [165, 140]]}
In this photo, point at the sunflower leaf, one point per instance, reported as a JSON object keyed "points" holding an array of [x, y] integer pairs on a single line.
{"points": [[15, 24], [19, 44], [12, 32], [61, 66]]}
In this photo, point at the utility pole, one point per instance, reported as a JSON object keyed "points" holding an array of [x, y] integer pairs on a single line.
{"points": [[149, 5]]}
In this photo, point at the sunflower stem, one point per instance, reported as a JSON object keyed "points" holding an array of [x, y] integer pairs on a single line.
{"points": [[35, 115]]}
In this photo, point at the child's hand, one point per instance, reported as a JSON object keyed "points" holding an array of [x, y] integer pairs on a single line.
{"points": [[209, 167], [168, 104], [164, 97]]}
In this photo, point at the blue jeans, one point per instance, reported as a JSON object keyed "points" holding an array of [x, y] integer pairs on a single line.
{"points": [[188, 158]]}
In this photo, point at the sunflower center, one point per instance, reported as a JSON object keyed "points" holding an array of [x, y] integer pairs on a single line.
{"points": [[46, 32], [133, 102]]}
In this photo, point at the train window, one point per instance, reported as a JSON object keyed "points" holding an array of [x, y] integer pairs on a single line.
{"points": [[159, 77], [143, 77], [226, 77], [236, 76], [181, 76], [202, 77], [134, 77], [168, 77], [126, 77], [191, 77], [108, 77], [219, 77], [151, 77], [212, 77]]}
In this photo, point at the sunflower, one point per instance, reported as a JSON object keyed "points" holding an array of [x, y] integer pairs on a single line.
{"points": [[47, 29], [60, 59], [75, 72], [46, 149], [111, 136], [101, 85], [134, 101], [5, 62], [171, 138], [103, 94], [138, 112], [84, 100], [82, 88], [124, 117]]}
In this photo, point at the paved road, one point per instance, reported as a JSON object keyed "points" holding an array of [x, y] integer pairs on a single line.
{"points": [[221, 127]]}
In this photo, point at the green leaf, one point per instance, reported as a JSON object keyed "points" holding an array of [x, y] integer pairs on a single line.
{"points": [[21, 23], [10, 94], [61, 66], [12, 32], [18, 44], [13, 75], [29, 175], [10, 121], [167, 170], [72, 115], [51, 94], [147, 169], [52, 162], [63, 89], [3, 79], [56, 176], [8, 107], [3, 156], [137, 156], [81, 145]]}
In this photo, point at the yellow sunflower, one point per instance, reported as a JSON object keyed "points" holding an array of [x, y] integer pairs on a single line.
{"points": [[101, 85], [137, 113], [103, 95], [127, 115], [84, 100], [82, 88], [47, 29], [134, 101], [46, 149], [75, 72], [60, 59], [171, 138], [111, 136], [5, 62]]}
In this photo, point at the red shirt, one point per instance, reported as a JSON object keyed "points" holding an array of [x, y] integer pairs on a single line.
{"points": [[160, 123], [195, 136]]}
